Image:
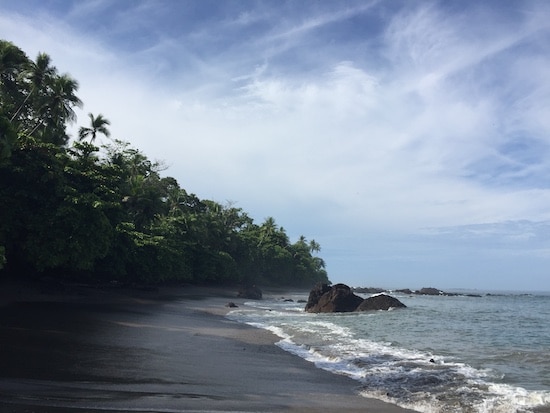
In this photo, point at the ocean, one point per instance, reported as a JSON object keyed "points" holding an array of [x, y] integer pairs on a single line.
{"points": [[440, 354]]}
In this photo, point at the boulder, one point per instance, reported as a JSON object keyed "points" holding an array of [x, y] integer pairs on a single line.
{"points": [[251, 292], [315, 294], [429, 291], [336, 299], [379, 302]]}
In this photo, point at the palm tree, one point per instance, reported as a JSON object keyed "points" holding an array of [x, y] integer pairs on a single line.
{"points": [[97, 125], [267, 230], [55, 107], [12, 62], [39, 74], [63, 98], [12, 59], [314, 246]]}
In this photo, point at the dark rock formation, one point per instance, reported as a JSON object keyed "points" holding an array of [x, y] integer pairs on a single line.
{"points": [[231, 304], [380, 302], [340, 298], [251, 292], [435, 291], [336, 299], [404, 291], [315, 294], [429, 291], [368, 290]]}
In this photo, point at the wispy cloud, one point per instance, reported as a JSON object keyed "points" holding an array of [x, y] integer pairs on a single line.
{"points": [[350, 122], [311, 23]]}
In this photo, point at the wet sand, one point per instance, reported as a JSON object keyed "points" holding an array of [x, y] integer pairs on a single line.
{"points": [[164, 351]]}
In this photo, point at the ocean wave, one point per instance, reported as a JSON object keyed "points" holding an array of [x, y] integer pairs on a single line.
{"points": [[416, 379]]}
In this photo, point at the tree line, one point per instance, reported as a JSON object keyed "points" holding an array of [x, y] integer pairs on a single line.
{"points": [[100, 213]]}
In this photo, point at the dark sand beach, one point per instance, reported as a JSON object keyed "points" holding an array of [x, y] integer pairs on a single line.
{"points": [[170, 350]]}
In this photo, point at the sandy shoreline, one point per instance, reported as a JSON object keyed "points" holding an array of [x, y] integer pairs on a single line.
{"points": [[170, 350]]}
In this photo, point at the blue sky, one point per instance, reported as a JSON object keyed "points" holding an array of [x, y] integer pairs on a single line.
{"points": [[411, 139]]}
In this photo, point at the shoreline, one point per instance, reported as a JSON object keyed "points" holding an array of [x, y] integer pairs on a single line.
{"points": [[171, 350]]}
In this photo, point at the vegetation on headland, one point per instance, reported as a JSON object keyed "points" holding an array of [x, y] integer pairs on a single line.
{"points": [[87, 213]]}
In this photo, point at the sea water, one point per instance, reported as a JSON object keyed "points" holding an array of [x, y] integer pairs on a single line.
{"points": [[440, 354]]}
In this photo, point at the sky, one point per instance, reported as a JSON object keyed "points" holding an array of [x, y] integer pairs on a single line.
{"points": [[410, 139]]}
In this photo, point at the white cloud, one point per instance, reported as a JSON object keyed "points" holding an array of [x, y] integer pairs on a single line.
{"points": [[409, 138]]}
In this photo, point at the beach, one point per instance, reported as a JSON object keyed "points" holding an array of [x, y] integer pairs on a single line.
{"points": [[165, 350]]}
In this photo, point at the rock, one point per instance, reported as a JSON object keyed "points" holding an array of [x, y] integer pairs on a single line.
{"points": [[336, 299], [231, 304], [368, 290], [429, 291], [340, 298], [435, 291], [315, 294], [404, 291], [251, 292], [379, 302]]}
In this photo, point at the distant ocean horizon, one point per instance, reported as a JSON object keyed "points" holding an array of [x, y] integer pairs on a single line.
{"points": [[466, 291], [487, 354]]}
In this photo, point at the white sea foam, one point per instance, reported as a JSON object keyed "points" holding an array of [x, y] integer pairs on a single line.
{"points": [[421, 379]]}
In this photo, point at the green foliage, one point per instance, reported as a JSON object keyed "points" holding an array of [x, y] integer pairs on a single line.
{"points": [[49, 220], [8, 138], [37, 100], [106, 213]]}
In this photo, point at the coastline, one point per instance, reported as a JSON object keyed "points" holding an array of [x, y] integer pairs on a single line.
{"points": [[170, 350]]}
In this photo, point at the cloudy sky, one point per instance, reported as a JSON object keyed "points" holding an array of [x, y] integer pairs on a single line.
{"points": [[411, 139]]}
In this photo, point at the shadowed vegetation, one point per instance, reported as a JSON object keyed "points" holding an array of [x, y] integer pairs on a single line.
{"points": [[91, 213]]}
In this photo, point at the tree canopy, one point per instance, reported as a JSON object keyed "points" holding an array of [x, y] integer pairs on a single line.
{"points": [[105, 213]]}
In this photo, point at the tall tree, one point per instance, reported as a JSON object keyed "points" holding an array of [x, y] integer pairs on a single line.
{"points": [[56, 109], [314, 246], [12, 62], [38, 74], [98, 124]]}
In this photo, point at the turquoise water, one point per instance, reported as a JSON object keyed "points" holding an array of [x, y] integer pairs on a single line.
{"points": [[440, 354]]}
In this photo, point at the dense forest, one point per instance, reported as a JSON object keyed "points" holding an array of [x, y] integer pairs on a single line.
{"points": [[86, 213]]}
